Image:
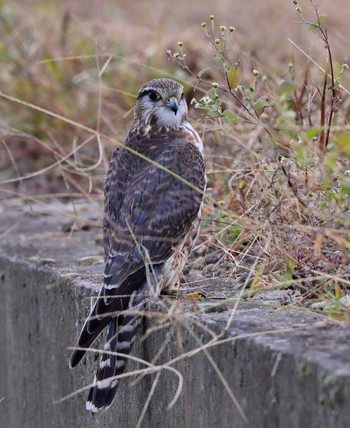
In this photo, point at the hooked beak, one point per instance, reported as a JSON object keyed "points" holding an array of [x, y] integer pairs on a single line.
{"points": [[173, 104]]}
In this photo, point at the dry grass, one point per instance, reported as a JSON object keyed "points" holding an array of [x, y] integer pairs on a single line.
{"points": [[278, 161]]}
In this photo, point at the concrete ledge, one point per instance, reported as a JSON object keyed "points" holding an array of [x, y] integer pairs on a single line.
{"points": [[285, 368]]}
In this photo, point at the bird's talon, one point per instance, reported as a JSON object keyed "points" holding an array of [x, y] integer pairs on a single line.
{"points": [[196, 295]]}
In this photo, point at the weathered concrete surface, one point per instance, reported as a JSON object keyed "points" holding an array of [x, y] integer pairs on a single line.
{"points": [[286, 368]]}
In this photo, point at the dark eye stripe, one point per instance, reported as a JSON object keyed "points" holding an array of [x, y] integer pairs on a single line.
{"points": [[148, 92]]}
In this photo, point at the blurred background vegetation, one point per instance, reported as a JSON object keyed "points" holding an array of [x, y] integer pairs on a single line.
{"points": [[274, 124]]}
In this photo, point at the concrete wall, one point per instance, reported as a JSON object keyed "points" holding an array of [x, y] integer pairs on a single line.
{"points": [[284, 368]]}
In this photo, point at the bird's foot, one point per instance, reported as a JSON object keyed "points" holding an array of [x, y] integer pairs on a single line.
{"points": [[183, 294]]}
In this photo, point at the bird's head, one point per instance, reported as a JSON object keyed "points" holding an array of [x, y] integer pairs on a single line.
{"points": [[161, 102]]}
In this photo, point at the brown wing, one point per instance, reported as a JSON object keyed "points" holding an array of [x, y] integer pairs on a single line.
{"points": [[149, 206], [148, 210]]}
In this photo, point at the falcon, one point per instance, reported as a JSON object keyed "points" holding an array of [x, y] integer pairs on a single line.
{"points": [[153, 201]]}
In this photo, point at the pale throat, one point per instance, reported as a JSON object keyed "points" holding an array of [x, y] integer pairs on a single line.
{"points": [[165, 117]]}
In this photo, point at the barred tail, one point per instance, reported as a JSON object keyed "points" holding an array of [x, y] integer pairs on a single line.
{"points": [[120, 337]]}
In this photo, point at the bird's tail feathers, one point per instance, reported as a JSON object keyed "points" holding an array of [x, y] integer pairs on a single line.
{"points": [[120, 337], [89, 333]]}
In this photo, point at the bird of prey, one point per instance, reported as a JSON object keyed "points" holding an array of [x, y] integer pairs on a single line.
{"points": [[153, 202]]}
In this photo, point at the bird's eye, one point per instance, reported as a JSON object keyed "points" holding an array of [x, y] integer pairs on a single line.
{"points": [[154, 96]]}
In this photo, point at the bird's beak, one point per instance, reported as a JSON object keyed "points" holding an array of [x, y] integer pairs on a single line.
{"points": [[173, 104]]}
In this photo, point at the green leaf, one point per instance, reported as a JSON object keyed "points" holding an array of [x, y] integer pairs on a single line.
{"points": [[286, 87], [260, 105], [312, 26], [230, 117], [345, 190], [336, 197], [234, 234], [313, 132], [234, 76], [343, 142], [320, 22], [322, 19], [289, 269]]}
